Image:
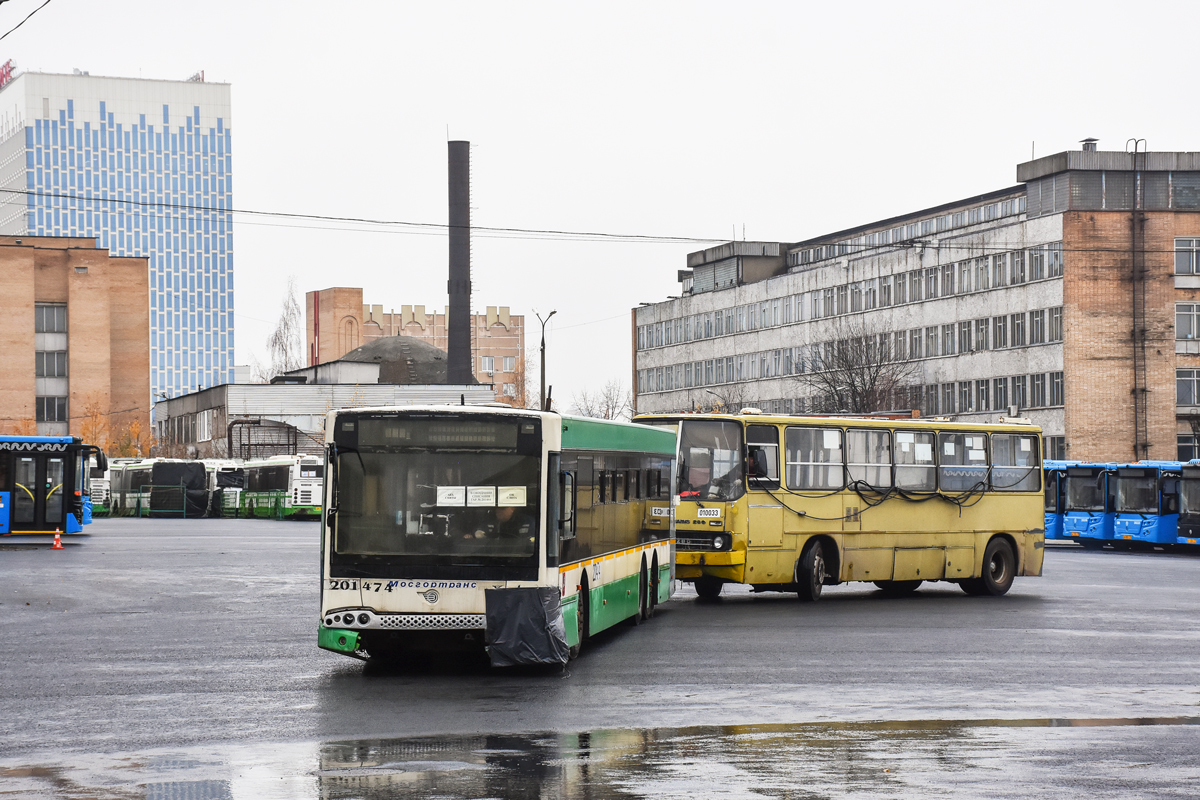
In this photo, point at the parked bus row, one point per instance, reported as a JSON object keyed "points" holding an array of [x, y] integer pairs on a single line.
{"points": [[278, 487], [1141, 504], [527, 532]]}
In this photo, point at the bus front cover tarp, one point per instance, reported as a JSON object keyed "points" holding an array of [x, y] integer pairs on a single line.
{"points": [[525, 626]]}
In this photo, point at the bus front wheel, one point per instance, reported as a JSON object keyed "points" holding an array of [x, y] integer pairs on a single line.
{"points": [[810, 572], [708, 587], [999, 569]]}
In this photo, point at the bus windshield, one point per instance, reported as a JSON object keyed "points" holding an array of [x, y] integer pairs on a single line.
{"points": [[1085, 492], [437, 504], [1137, 494], [710, 460]]}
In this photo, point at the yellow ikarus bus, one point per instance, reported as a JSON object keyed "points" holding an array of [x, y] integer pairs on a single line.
{"points": [[788, 503]]}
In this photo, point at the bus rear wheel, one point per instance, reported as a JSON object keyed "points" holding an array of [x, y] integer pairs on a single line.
{"points": [[898, 588], [999, 569], [810, 572], [708, 587]]}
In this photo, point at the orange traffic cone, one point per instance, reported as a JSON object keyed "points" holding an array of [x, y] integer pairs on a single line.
{"points": [[57, 540]]}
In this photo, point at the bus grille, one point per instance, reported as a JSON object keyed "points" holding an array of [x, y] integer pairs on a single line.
{"points": [[689, 543], [418, 622]]}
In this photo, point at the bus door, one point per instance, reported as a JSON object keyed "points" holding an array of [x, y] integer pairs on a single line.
{"points": [[765, 511], [1189, 506], [1054, 504], [6, 494], [38, 493]]}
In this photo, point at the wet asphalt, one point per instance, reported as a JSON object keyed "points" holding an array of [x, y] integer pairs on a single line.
{"points": [[178, 659]]}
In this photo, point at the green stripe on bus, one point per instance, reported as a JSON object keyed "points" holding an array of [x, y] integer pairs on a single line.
{"points": [[581, 433]]}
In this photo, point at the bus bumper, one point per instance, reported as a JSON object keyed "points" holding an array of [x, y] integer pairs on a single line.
{"points": [[337, 640], [730, 565]]}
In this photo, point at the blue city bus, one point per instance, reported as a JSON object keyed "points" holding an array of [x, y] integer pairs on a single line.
{"points": [[44, 484], [1146, 502], [1189, 504], [1088, 503], [1054, 472]]}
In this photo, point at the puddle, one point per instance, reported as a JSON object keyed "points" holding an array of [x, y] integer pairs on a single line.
{"points": [[994, 758]]}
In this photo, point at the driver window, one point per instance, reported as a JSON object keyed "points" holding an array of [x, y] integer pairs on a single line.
{"points": [[762, 456]]}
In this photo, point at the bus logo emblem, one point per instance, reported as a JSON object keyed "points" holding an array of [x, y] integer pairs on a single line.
{"points": [[431, 596]]}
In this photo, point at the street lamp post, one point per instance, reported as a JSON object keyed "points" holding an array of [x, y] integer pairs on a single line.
{"points": [[542, 396]]}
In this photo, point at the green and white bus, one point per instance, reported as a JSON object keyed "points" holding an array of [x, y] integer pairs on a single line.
{"points": [[469, 526]]}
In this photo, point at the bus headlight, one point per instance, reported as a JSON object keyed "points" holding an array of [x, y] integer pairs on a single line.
{"points": [[718, 542], [363, 619]]}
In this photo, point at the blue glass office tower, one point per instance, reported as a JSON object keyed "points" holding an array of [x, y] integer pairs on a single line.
{"points": [[144, 166]]}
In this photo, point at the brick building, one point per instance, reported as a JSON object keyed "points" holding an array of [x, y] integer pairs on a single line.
{"points": [[75, 331], [1072, 298], [337, 321]]}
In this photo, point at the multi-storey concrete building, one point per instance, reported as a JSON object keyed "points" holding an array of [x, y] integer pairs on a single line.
{"points": [[338, 321], [75, 336], [137, 164], [1072, 298]]}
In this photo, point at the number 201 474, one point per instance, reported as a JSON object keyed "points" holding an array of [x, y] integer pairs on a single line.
{"points": [[367, 586]]}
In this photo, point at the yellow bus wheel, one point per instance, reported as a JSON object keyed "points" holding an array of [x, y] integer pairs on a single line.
{"points": [[708, 587], [810, 572], [999, 569]]}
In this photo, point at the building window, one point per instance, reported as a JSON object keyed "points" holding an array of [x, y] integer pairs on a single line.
{"points": [[947, 280], [999, 269], [1037, 326], [49, 318], [931, 283], [1186, 261], [964, 277], [1187, 324], [1020, 397], [932, 347], [981, 393], [931, 400], [999, 332], [964, 338], [50, 364], [510, 363], [916, 286], [487, 364], [1054, 262], [947, 340], [51, 409], [1056, 389], [981, 334], [914, 345], [1056, 447], [885, 290], [981, 273], [947, 398], [1018, 330], [965, 397], [1000, 394], [641, 337], [1187, 447], [1037, 390], [1185, 387], [1056, 331]]}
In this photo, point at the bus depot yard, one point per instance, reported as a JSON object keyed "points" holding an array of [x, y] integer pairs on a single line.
{"points": [[173, 658]]}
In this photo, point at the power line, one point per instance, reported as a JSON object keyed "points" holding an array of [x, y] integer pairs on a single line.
{"points": [[22, 22], [417, 226]]}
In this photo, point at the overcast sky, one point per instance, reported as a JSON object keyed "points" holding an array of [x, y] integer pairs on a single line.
{"points": [[679, 119]]}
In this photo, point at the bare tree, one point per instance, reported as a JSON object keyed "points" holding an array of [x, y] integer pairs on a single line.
{"points": [[728, 398], [285, 345], [614, 401], [861, 371]]}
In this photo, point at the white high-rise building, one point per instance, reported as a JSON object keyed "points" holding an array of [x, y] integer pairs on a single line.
{"points": [[144, 166]]}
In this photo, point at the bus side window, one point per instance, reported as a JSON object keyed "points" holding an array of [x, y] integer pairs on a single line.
{"points": [[762, 456], [566, 513]]}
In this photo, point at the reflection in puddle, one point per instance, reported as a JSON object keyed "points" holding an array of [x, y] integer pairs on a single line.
{"points": [[896, 759], [907, 759]]}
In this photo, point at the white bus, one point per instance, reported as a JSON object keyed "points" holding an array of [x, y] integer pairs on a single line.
{"points": [[283, 486], [461, 526]]}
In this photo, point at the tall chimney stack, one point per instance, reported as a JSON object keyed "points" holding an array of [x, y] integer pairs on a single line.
{"points": [[458, 350]]}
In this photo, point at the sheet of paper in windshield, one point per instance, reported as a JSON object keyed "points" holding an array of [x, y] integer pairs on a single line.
{"points": [[481, 496], [452, 496], [510, 496]]}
